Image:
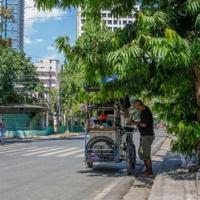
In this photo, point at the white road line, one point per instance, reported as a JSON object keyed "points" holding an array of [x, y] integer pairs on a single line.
{"points": [[6, 147], [41, 148], [70, 153], [34, 150], [2, 149], [15, 150], [41, 151], [107, 189], [80, 156], [57, 152]]}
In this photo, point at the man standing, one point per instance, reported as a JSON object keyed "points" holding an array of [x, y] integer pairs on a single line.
{"points": [[145, 126]]}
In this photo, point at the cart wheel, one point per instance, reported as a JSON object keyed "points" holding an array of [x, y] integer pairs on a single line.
{"points": [[89, 164], [131, 159]]}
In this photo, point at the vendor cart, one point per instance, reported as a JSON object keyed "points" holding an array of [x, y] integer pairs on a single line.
{"points": [[108, 140]]}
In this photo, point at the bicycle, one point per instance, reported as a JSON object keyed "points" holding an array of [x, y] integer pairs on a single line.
{"points": [[129, 148]]}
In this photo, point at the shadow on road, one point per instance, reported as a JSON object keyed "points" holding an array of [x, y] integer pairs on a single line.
{"points": [[110, 169], [106, 169]]}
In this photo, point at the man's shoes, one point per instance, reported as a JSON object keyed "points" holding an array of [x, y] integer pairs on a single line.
{"points": [[147, 175]]}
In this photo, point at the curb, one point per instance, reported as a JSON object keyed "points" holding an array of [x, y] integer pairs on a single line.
{"points": [[50, 137]]}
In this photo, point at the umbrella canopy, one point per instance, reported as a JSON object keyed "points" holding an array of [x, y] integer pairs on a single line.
{"points": [[109, 79]]}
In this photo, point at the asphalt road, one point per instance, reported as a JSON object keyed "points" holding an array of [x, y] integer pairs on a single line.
{"points": [[54, 170]]}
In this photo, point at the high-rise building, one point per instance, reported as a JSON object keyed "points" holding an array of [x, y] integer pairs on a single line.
{"points": [[13, 29], [112, 22], [48, 70]]}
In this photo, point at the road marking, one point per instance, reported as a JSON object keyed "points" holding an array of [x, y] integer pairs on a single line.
{"points": [[56, 152], [34, 150], [43, 151], [80, 156], [70, 153], [6, 147], [17, 150], [107, 189], [42, 148], [3, 148]]}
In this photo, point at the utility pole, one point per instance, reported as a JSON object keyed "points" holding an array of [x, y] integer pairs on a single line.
{"points": [[60, 91], [50, 88], [1, 18], [5, 23]]}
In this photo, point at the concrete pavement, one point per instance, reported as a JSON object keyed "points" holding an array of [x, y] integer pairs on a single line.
{"points": [[53, 169], [172, 180]]}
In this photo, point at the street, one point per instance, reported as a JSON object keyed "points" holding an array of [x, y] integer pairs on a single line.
{"points": [[54, 170]]}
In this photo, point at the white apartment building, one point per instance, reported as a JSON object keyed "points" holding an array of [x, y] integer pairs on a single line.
{"points": [[112, 22], [48, 70]]}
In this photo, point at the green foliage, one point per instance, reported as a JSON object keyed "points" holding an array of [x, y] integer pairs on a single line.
{"points": [[187, 137], [192, 7], [18, 77], [6, 14], [91, 7], [157, 57], [71, 91]]}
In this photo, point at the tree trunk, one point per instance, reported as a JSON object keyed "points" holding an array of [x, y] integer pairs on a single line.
{"points": [[197, 76], [197, 82]]}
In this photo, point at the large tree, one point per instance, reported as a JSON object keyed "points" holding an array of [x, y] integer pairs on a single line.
{"points": [[157, 57], [18, 77]]}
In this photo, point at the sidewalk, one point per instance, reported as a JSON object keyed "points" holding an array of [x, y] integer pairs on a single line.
{"points": [[172, 181]]}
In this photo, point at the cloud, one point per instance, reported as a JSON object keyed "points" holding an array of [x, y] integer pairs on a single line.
{"points": [[32, 15], [39, 40], [27, 40], [50, 48], [52, 56], [55, 56]]}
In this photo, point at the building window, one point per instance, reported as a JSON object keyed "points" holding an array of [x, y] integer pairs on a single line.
{"points": [[109, 15], [114, 21], [130, 22], [103, 15], [124, 22], [109, 21], [110, 28], [82, 28], [82, 21], [115, 28], [120, 22]]}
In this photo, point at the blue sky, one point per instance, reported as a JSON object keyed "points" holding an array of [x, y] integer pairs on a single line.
{"points": [[42, 28]]}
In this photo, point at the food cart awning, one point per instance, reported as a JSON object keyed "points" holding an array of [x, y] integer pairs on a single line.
{"points": [[110, 79]]}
